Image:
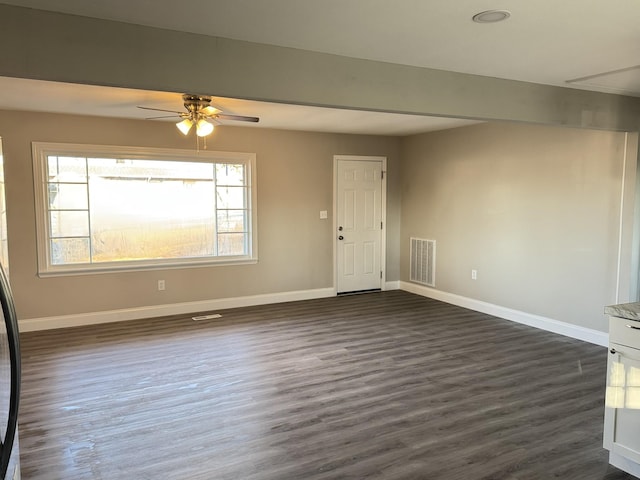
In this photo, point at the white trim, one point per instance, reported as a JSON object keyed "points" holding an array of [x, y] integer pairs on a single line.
{"points": [[624, 464], [383, 213], [621, 219], [574, 331], [137, 313], [393, 285]]}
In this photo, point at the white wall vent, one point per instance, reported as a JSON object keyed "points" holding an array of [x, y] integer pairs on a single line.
{"points": [[423, 262]]}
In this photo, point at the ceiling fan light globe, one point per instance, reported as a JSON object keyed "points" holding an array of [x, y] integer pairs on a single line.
{"points": [[184, 126], [203, 128]]}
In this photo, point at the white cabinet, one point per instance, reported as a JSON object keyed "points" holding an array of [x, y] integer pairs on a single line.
{"points": [[622, 408]]}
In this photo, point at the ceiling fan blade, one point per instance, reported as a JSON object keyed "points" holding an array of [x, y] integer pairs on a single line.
{"points": [[209, 110], [240, 118], [159, 110], [163, 116]]}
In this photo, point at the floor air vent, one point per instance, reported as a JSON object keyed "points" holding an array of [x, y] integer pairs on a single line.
{"points": [[423, 262], [206, 317]]}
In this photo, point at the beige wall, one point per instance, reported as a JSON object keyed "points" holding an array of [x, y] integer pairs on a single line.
{"points": [[294, 172], [536, 210]]}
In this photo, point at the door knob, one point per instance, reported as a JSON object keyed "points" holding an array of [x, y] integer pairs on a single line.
{"points": [[340, 237]]}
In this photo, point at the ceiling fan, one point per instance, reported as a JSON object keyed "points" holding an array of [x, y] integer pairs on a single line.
{"points": [[200, 113]]}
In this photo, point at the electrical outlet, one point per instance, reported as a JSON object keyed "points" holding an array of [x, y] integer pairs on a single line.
{"points": [[161, 285], [474, 274]]}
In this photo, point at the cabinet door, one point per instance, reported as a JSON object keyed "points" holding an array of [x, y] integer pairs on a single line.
{"points": [[622, 413]]}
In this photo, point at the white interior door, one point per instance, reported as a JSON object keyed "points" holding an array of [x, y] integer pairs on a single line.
{"points": [[359, 223]]}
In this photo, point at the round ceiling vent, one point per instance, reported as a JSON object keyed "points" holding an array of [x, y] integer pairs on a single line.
{"points": [[491, 16]]}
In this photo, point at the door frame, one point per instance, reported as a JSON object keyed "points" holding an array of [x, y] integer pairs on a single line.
{"points": [[383, 214]]}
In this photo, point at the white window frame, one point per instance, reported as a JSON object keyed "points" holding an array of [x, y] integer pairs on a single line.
{"points": [[42, 150]]}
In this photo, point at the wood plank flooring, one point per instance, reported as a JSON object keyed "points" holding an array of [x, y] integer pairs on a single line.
{"points": [[385, 385]]}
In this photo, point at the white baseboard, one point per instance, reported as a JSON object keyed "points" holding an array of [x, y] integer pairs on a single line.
{"points": [[624, 464], [93, 318], [570, 330], [394, 285]]}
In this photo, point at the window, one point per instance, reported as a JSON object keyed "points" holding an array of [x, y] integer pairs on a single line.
{"points": [[106, 208]]}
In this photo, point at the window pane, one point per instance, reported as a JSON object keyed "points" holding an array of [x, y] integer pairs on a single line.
{"points": [[66, 223], [69, 250], [231, 244], [231, 221], [231, 197], [135, 216], [152, 240], [67, 169], [115, 200], [230, 174], [151, 170], [68, 196], [52, 166]]}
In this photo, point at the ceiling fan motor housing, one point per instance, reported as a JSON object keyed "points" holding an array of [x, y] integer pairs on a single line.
{"points": [[196, 102]]}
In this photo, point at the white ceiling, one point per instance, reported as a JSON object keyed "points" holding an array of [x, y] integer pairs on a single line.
{"points": [[36, 95], [587, 44]]}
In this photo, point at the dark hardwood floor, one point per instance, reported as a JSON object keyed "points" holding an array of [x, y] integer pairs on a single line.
{"points": [[385, 385]]}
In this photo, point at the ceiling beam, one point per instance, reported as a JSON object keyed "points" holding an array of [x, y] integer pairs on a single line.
{"points": [[58, 47]]}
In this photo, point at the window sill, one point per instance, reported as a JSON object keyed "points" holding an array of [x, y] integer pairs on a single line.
{"points": [[141, 267]]}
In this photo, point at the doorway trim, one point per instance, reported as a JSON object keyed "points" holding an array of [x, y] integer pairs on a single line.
{"points": [[383, 214]]}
